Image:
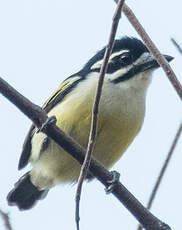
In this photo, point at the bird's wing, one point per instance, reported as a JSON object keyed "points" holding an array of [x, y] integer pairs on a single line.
{"points": [[55, 98], [63, 90]]}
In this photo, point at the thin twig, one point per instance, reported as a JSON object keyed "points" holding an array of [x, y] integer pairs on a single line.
{"points": [[163, 170], [95, 112], [153, 49], [6, 220], [178, 47]]}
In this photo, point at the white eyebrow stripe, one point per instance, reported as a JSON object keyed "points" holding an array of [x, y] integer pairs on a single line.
{"points": [[118, 53], [99, 63]]}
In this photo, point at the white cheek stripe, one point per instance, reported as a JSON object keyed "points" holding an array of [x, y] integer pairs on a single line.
{"points": [[99, 63], [145, 56], [119, 73]]}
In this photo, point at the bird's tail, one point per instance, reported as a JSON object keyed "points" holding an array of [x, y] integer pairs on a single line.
{"points": [[25, 194]]}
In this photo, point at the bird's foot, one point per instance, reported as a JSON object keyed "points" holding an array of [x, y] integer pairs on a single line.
{"points": [[50, 120], [113, 182]]}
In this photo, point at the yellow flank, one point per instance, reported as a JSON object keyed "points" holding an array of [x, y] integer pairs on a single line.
{"points": [[116, 129]]}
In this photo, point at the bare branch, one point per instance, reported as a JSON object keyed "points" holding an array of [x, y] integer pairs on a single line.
{"points": [[163, 170], [6, 220], [169, 155], [153, 49], [39, 116], [178, 47], [171, 76], [95, 112]]}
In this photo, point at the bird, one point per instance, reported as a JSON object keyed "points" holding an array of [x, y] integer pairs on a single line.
{"points": [[121, 116]]}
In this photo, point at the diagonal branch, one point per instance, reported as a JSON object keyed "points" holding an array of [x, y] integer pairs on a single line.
{"points": [[6, 220], [169, 155], [166, 163], [39, 116], [95, 112], [178, 47], [163, 170], [153, 49], [172, 78]]}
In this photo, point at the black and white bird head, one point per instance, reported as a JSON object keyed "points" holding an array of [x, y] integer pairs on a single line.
{"points": [[130, 61]]}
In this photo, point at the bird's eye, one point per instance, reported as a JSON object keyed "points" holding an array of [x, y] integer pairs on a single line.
{"points": [[125, 58]]}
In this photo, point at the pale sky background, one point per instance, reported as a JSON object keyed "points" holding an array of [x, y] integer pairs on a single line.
{"points": [[41, 43]]}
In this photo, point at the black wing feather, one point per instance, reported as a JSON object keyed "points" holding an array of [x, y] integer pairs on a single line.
{"points": [[25, 155], [56, 98]]}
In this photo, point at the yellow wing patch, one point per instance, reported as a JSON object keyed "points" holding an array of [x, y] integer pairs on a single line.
{"points": [[65, 84]]}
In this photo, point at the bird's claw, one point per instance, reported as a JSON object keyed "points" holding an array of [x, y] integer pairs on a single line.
{"points": [[49, 121], [113, 182]]}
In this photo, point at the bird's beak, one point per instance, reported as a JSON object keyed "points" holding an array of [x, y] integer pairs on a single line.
{"points": [[168, 58], [149, 62]]}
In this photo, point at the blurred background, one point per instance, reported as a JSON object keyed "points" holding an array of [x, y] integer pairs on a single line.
{"points": [[41, 43]]}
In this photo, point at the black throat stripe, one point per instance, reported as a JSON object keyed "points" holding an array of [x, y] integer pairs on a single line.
{"points": [[136, 69]]}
